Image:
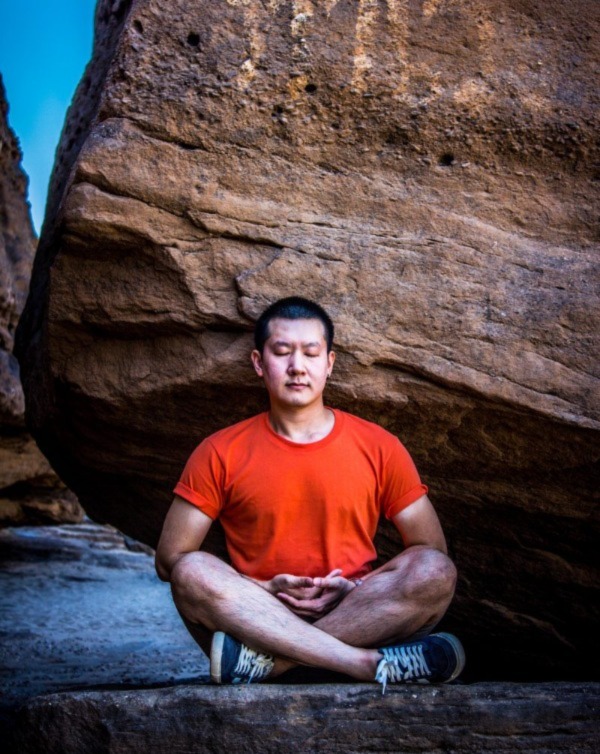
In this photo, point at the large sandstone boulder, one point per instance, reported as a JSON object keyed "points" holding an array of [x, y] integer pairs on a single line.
{"points": [[29, 489], [425, 170]]}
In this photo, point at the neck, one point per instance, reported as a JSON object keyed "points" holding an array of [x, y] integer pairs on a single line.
{"points": [[302, 425]]}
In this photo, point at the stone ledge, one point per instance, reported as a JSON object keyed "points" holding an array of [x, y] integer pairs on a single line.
{"points": [[486, 717]]}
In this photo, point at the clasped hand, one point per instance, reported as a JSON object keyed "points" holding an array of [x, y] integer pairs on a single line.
{"points": [[310, 597]]}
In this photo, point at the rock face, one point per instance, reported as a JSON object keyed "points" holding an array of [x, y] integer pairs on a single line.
{"points": [[537, 718], [29, 489], [17, 248], [424, 170]]}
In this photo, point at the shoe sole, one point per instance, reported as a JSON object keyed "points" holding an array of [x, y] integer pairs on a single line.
{"points": [[216, 655], [459, 653]]}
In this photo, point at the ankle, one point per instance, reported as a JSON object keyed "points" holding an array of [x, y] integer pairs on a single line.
{"points": [[281, 666], [368, 664]]}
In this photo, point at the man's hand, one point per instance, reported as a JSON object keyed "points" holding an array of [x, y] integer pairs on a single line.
{"points": [[315, 597], [296, 587]]}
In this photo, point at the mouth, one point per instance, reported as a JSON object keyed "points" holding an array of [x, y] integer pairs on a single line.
{"points": [[296, 385]]}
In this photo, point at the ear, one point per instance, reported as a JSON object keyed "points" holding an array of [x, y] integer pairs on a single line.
{"points": [[257, 362], [330, 362]]}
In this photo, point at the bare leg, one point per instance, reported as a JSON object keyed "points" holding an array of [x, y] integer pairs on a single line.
{"points": [[209, 592], [410, 592], [407, 594], [201, 635]]}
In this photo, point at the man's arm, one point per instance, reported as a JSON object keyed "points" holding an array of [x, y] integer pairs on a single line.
{"points": [[419, 524], [184, 530]]}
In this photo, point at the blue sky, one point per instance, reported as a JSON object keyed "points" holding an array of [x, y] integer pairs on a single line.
{"points": [[44, 48]]}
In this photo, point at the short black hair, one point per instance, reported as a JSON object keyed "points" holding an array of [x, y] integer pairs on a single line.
{"points": [[293, 307]]}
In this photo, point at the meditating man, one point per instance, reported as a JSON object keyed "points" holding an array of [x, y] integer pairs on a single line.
{"points": [[299, 491]]}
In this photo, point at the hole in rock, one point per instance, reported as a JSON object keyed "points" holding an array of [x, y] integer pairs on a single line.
{"points": [[446, 160], [193, 39], [137, 25], [310, 88]]}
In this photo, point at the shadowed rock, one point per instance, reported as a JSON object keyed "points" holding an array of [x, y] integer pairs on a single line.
{"points": [[423, 170], [29, 490], [502, 717]]}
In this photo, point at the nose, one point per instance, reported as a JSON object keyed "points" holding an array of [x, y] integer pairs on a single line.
{"points": [[296, 363]]}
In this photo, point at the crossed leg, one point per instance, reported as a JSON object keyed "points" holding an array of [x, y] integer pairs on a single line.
{"points": [[408, 594]]}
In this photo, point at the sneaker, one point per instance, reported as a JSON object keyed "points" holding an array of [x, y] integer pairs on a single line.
{"points": [[439, 658], [234, 662]]}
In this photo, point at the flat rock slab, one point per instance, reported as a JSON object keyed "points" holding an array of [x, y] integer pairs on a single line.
{"points": [[329, 718]]}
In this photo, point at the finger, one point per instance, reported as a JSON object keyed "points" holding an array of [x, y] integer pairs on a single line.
{"points": [[291, 601], [308, 608], [331, 597], [317, 606], [322, 580], [304, 613], [336, 582], [306, 593], [298, 582], [333, 582], [298, 607]]}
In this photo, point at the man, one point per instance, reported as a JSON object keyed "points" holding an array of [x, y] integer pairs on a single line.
{"points": [[299, 491]]}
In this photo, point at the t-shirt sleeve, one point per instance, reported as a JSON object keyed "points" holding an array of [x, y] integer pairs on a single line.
{"points": [[202, 480], [401, 484]]}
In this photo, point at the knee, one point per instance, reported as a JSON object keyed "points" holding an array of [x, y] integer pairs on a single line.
{"points": [[194, 578], [431, 575]]}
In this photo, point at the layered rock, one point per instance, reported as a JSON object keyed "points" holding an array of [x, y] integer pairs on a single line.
{"points": [[536, 718], [426, 172], [29, 489]]}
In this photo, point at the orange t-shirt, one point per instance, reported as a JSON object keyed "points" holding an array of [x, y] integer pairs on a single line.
{"points": [[303, 509]]}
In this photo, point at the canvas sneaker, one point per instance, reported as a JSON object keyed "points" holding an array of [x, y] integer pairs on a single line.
{"points": [[439, 658], [234, 662]]}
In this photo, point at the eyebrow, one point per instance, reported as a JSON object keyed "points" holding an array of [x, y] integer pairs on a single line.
{"points": [[312, 344]]}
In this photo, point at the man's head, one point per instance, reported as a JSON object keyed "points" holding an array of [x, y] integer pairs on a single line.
{"points": [[293, 353], [293, 307]]}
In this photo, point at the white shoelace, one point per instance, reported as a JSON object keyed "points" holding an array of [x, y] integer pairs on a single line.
{"points": [[252, 665], [401, 664]]}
